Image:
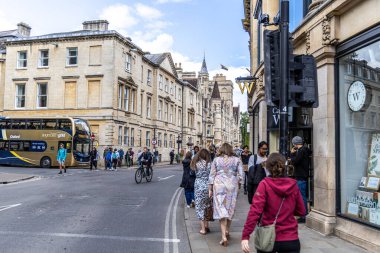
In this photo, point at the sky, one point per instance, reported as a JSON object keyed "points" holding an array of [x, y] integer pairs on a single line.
{"points": [[189, 29]]}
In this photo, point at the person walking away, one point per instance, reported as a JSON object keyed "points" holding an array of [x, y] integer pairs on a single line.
{"points": [[300, 159], [146, 159], [201, 165], [245, 155], [109, 159], [256, 169], [276, 201], [115, 159], [61, 157], [195, 151], [94, 156], [127, 159], [212, 152], [224, 183], [171, 156], [104, 157], [121, 156], [131, 154], [188, 179]]}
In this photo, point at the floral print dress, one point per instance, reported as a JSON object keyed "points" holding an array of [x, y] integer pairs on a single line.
{"points": [[225, 175], [201, 188]]}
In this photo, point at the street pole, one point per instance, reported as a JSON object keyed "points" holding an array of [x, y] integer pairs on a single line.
{"points": [[284, 75]]}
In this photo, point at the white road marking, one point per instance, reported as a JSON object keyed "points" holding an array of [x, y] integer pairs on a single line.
{"points": [[164, 178], [167, 220], [2, 208], [174, 221], [109, 237]]}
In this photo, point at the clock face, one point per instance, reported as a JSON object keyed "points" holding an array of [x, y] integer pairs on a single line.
{"points": [[356, 96]]}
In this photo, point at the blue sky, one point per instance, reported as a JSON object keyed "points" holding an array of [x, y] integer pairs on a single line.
{"points": [[187, 28]]}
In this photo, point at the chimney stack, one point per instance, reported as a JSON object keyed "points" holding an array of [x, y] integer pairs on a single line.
{"points": [[96, 25], [23, 29]]}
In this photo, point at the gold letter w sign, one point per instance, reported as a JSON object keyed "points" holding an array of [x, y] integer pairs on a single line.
{"points": [[247, 84]]}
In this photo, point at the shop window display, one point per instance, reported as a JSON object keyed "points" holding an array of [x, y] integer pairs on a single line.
{"points": [[359, 112]]}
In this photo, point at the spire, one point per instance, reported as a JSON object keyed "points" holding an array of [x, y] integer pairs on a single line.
{"points": [[204, 67], [215, 91]]}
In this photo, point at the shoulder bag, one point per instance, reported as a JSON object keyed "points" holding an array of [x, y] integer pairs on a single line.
{"points": [[265, 236]]}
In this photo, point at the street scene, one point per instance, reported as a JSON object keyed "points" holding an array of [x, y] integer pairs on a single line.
{"points": [[190, 126]]}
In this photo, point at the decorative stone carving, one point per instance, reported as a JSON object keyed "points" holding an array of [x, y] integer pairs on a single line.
{"points": [[326, 31], [260, 84], [308, 42]]}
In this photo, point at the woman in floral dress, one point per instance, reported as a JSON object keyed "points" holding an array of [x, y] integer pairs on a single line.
{"points": [[224, 183], [201, 164]]}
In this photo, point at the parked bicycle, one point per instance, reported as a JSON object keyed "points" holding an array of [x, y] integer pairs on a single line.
{"points": [[143, 171]]}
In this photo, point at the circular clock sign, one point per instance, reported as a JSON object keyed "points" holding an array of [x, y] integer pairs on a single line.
{"points": [[358, 96]]}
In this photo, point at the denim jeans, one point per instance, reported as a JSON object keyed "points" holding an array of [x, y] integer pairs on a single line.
{"points": [[302, 185], [189, 195]]}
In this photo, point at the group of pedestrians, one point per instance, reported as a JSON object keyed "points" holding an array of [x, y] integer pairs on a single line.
{"points": [[113, 158], [276, 196]]}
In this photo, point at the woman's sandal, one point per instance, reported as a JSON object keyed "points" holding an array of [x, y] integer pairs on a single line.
{"points": [[207, 230], [202, 232], [224, 243], [228, 235]]}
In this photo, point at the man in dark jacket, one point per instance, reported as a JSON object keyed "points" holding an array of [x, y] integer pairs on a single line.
{"points": [[256, 169], [300, 159], [171, 154], [146, 159], [188, 179]]}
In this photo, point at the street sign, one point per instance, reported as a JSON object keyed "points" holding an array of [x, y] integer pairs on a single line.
{"points": [[154, 141]]}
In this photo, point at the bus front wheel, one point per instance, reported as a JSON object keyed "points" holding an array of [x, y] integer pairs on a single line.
{"points": [[45, 162]]}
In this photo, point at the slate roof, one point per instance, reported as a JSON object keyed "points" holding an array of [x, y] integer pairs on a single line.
{"points": [[215, 91], [10, 33], [156, 58], [193, 82]]}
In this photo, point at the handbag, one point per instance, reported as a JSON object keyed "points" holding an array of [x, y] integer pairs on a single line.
{"points": [[265, 236], [209, 211]]}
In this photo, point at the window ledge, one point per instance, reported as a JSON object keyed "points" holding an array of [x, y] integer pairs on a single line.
{"points": [[21, 68], [71, 66], [42, 67], [94, 65]]}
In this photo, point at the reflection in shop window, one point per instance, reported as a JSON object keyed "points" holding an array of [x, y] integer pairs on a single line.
{"points": [[360, 139]]}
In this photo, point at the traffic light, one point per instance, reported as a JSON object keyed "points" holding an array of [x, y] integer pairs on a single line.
{"points": [[303, 86], [272, 67]]}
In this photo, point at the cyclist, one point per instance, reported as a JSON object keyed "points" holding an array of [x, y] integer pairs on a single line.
{"points": [[146, 159]]}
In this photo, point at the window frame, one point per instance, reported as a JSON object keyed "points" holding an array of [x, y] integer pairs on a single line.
{"points": [[21, 96], [41, 58], [149, 107], [68, 56], [18, 66], [39, 95], [128, 63], [126, 137]]}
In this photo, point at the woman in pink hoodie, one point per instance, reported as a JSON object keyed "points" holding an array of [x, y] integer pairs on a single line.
{"points": [[266, 203]]}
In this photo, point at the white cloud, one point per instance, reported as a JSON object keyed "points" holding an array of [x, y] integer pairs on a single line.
{"points": [[119, 16], [147, 12], [170, 1], [161, 43], [187, 64]]}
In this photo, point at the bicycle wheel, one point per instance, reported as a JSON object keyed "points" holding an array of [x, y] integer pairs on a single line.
{"points": [[149, 178], [138, 176]]}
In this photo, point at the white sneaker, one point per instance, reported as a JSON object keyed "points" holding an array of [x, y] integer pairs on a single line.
{"points": [[188, 206]]}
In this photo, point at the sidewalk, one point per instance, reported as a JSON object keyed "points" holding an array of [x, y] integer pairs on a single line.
{"points": [[311, 241], [6, 178]]}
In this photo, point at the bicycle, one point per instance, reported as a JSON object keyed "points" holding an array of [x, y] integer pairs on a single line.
{"points": [[140, 174]]}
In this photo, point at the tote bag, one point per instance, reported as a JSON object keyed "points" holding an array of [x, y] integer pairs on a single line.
{"points": [[265, 236]]}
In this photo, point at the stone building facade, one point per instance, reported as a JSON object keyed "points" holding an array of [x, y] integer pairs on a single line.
{"points": [[344, 38], [128, 96]]}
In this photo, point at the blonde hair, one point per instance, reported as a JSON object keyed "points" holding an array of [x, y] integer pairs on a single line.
{"points": [[203, 154]]}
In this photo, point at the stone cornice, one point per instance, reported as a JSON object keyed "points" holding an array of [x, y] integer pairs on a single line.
{"points": [[70, 77], [20, 79], [94, 76], [41, 78]]}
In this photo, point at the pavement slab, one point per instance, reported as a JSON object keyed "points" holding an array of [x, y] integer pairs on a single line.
{"points": [[311, 241]]}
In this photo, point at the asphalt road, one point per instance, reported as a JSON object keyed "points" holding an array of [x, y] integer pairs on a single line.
{"points": [[93, 211]]}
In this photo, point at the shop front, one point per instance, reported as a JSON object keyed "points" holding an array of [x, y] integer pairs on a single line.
{"points": [[358, 136]]}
